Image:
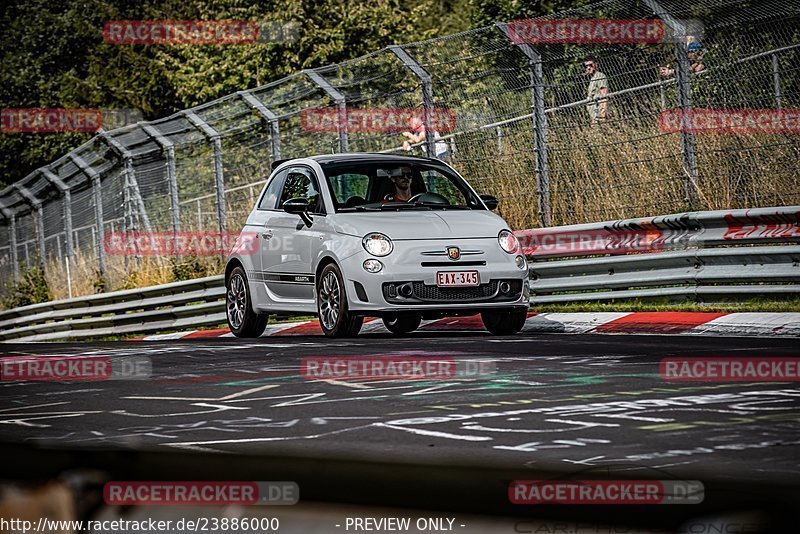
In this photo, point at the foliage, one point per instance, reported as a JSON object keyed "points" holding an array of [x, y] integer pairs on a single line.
{"points": [[53, 55], [30, 288]]}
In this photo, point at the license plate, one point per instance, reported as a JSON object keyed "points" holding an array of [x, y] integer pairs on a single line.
{"points": [[457, 278]]}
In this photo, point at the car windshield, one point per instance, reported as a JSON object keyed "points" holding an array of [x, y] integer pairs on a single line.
{"points": [[387, 186]]}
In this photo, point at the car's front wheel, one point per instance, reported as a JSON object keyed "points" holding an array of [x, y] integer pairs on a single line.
{"points": [[242, 320], [402, 324], [504, 322], [334, 316]]}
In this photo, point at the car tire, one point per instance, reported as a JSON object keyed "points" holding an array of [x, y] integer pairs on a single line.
{"points": [[504, 322], [402, 324], [334, 316], [242, 320]]}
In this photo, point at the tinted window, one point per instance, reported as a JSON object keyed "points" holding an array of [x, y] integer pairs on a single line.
{"points": [[270, 198], [354, 184], [300, 183]]}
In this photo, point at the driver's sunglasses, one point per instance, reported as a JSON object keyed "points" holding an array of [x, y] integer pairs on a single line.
{"points": [[406, 174]]}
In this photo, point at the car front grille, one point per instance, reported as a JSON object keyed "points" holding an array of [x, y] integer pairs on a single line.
{"points": [[427, 294]]}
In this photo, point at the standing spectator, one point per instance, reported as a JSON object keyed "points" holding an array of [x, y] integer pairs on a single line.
{"points": [[417, 135], [693, 50], [598, 88]]}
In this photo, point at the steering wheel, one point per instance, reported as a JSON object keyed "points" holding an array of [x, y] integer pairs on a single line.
{"points": [[429, 198]]}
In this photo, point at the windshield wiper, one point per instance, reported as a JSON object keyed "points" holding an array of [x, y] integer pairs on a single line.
{"points": [[442, 206], [404, 205], [387, 206], [357, 208]]}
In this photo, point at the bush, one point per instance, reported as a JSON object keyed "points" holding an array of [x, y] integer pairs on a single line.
{"points": [[30, 288], [187, 269]]}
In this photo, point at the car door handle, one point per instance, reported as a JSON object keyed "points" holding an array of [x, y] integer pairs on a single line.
{"points": [[267, 234]]}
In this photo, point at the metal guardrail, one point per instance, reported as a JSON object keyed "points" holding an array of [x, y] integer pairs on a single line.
{"points": [[695, 254], [177, 305], [698, 254]]}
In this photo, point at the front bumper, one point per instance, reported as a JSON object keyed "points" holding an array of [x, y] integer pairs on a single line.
{"points": [[412, 263]]}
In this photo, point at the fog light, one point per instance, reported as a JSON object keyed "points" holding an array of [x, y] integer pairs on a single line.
{"points": [[505, 287], [520, 260], [373, 266]]}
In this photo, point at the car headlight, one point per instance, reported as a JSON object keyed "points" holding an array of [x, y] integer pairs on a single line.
{"points": [[508, 241], [377, 244]]}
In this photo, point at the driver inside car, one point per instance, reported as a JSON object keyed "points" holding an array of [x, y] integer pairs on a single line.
{"points": [[401, 182]]}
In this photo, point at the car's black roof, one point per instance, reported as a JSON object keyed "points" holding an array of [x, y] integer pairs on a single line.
{"points": [[360, 157]]}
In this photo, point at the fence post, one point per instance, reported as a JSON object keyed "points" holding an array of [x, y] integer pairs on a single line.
{"points": [[169, 152], [427, 95], [499, 140], [275, 131], [683, 79], [130, 174], [12, 238], [94, 176], [127, 209], [539, 127], [776, 80], [341, 106], [36, 206], [53, 178], [219, 179]]}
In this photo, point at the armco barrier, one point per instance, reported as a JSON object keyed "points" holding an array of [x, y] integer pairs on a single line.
{"points": [[697, 254], [165, 307]]}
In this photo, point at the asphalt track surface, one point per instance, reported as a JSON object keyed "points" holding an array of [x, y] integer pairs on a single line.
{"points": [[573, 403]]}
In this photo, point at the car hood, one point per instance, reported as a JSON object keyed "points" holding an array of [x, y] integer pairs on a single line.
{"points": [[419, 224]]}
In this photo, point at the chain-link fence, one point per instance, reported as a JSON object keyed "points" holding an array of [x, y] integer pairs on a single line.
{"points": [[526, 129]]}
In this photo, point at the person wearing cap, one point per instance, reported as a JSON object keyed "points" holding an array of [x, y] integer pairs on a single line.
{"points": [[693, 51]]}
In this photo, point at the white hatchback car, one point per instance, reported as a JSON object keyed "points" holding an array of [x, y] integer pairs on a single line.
{"points": [[348, 236]]}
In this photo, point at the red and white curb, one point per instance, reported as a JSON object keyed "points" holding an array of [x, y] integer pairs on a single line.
{"points": [[688, 323]]}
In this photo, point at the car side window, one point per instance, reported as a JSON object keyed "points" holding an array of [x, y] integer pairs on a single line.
{"points": [[269, 200], [301, 183]]}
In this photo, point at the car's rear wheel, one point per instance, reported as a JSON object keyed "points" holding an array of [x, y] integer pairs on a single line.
{"points": [[504, 322], [334, 316], [242, 320], [402, 324]]}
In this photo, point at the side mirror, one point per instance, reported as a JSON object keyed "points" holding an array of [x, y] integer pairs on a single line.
{"points": [[298, 206], [490, 201]]}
